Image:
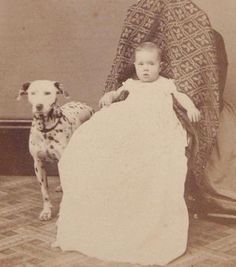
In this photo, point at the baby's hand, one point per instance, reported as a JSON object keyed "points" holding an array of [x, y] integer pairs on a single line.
{"points": [[193, 114], [106, 99]]}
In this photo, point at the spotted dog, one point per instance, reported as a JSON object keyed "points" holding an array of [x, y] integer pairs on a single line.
{"points": [[51, 130]]}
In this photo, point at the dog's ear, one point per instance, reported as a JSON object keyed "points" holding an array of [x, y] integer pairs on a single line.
{"points": [[61, 90], [23, 90]]}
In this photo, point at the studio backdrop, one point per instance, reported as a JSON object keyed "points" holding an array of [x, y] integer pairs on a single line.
{"points": [[74, 42]]}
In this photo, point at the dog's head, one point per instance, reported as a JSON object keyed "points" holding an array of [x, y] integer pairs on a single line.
{"points": [[42, 94]]}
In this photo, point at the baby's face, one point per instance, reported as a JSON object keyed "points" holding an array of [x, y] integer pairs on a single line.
{"points": [[147, 65]]}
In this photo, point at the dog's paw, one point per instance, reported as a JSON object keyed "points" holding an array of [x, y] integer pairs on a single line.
{"points": [[45, 215], [58, 188]]}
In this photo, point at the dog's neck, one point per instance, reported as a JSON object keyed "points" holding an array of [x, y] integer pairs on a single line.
{"points": [[47, 122]]}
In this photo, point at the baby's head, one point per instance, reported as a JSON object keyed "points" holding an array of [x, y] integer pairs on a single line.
{"points": [[147, 61]]}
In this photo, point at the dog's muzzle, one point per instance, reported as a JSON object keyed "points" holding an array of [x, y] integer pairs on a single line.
{"points": [[39, 107]]}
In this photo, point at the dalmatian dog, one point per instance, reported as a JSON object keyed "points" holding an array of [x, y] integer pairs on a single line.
{"points": [[51, 130]]}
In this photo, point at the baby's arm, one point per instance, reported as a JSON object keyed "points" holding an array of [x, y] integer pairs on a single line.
{"points": [[187, 103], [113, 96]]}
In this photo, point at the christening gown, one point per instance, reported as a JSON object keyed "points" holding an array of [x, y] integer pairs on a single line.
{"points": [[123, 176]]}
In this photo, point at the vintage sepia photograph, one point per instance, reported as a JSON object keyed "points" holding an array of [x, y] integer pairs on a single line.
{"points": [[117, 133]]}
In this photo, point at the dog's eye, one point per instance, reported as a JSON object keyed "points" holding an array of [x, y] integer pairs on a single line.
{"points": [[47, 93]]}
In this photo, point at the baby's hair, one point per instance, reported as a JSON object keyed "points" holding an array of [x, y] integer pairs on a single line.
{"points": [[148, 46]]}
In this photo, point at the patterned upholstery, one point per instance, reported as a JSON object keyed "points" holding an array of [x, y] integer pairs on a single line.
{"points": [[184, 33]]}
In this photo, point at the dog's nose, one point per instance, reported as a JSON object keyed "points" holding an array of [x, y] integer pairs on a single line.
{"points": [[39, 107]]}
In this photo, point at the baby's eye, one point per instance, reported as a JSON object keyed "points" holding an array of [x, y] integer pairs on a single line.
{"points": [[47, 93], [32, 93]]}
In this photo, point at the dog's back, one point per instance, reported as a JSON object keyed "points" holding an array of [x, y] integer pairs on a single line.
{"points": [[77, 113]]}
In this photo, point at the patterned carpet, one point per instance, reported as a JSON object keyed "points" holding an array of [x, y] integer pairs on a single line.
{"points": [[25, 241]]}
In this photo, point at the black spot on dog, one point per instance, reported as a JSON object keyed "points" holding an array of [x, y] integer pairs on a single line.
{"points": [[46, 198], [51, 146], [36, 169]]}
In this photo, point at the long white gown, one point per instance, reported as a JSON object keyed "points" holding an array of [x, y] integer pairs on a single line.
{"points": [[123, 176]]}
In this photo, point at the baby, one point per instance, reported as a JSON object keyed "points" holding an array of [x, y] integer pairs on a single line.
{"points": [[148, 65], [123, 172]]}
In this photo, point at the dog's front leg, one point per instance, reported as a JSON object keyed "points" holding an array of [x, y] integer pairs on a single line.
{"points": [[40, 171]]}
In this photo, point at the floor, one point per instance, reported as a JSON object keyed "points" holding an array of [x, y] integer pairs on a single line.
{"points": [[25, 241]]}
